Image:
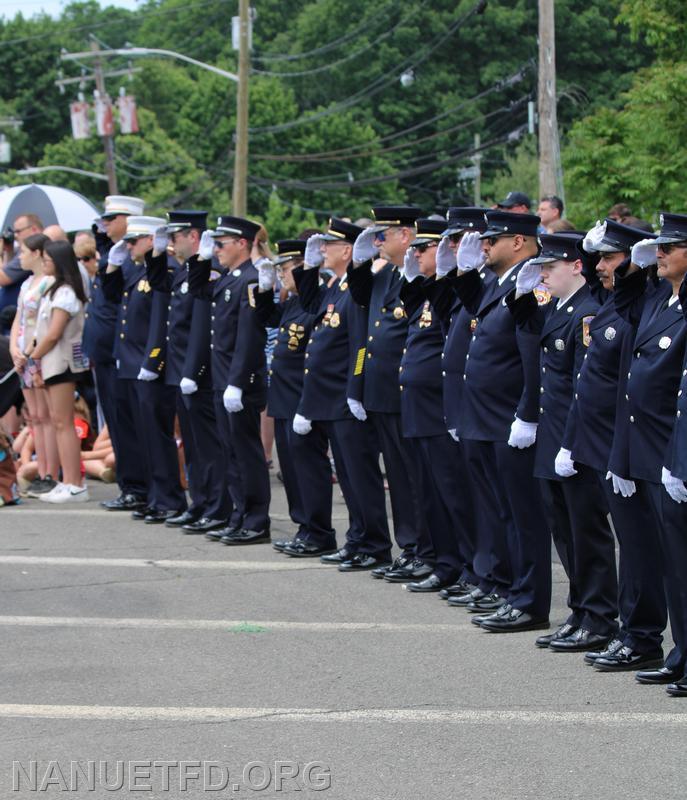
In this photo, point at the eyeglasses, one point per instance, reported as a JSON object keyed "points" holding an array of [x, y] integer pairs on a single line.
{"points": [[493, 239], [668, 247], [454, 237], [220, 245], [422, 248], [380, 236], [21, 230]]}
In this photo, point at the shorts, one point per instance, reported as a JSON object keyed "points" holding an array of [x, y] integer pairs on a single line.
{"points": [[65, 377]]}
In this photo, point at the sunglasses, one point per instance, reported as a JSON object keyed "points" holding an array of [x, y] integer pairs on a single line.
{"points": [[220, 245], [454, 237], [422, 248], [493, 239], [380, 236], [670, 246]]}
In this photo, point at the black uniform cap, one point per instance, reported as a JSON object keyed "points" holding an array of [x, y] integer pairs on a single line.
{"points": [[428, 230], [340, 231], [558, 247], [185, 220], [507, 223], [390, 216], [236, 226], [464, 219], [619, 238], [673, 228], [288, 249]]}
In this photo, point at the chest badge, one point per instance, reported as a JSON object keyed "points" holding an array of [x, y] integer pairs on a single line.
{"points": [[543, 296], [143, 286], [473, 325], [328, 315], [560, 344], [664, 342], [426, 316], [296, 334], [399, 312], [609, 333], [227, 295], [184, 287], [335, 320], [586, 334]]}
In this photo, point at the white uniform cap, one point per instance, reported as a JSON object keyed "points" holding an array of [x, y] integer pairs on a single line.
{"points": [[143, 226], [120, 204]]}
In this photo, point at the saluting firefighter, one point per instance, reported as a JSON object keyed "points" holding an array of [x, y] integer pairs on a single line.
{"points": [[237, 343], [331, 399], [99, 343], [592, 430], [297, 454], [458, 325], [575, 504], [498, 425], [194, 406], [378, 291]]}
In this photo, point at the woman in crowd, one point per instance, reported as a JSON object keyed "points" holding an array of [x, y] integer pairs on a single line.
{"points": [[21, 338], [59, 332]]}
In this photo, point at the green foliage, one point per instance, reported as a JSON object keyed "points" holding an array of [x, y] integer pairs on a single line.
{"points": [[284, 221], [663, 23], [520, 174]]}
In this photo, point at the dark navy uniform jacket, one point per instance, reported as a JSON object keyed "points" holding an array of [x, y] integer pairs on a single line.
{"points": [[171, 281], [129, 288], [677, 459], [564, 336], [658, 352], [458, 324], [591, 424], [387, 329], [419, 376], [237, 337], [501, 378], [101, 314], [288, 356], [335, 353]]}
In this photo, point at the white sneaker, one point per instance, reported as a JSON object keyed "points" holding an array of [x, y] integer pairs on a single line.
{"points": [[73, 494], [53, 494]]}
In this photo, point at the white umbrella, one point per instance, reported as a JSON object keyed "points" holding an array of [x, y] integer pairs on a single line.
{"points": [[54, 205]]}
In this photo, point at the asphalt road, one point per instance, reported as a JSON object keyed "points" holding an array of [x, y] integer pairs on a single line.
{"points": [[137, 661]]}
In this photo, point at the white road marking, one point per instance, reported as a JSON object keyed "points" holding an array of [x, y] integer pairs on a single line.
{"points": [[389, 715], [228, 624], [69, 561]]}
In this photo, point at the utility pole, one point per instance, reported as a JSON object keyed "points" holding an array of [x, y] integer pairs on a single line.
{"points": [[477, 161], [550, 171], [241, 140], [108, 141]]}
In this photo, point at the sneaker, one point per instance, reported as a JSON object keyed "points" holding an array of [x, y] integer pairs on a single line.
{"points": [[52, 495], [41, 486], [72, 494]]}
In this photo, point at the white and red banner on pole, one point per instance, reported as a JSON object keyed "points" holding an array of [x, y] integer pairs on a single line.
{"points": [[128, 119], [81, 124], [104, 118]]}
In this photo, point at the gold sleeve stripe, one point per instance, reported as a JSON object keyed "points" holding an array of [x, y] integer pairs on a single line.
{"points": [[360, 360], [154, 353]]}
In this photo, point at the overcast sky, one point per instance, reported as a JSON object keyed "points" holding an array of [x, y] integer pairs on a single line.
{"points": [[52, 7]]}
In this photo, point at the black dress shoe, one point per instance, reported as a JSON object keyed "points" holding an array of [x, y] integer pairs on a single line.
{"points": [[158, 517], [501, 612], [142, 513], [301, 549], [280, 544], [582, 640], [678, 689], [660, 675], [361, 562], [626, 660], [456, 590], [430, 584], [244, 536], [560, 633], [203, 525], [486, 603], [342, 554], [416, 570], [185, 518], [220, 533], [462, 600], [125, 502], [514, 621], [613, 647], [400, 561]]}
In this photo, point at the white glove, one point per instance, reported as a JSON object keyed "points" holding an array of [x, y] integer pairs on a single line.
{"points": [[356, 408], [592, 240], [232, 399], [364, 248], [267, 275], [674, 486], [188, 386], [160, 240], [470, 254], [206, 247], [446, 258], [644, 253], [146, 375], [301, 425], [411, 266], [454, 434], [528, 278], [522, 434], [118, 253], [564, 464], [621, 485], [313, 251]]}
